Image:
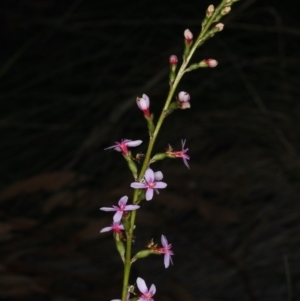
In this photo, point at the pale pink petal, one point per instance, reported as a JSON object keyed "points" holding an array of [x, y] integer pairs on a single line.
{"points": [[149, 194], [134, 143], [142, 285], [167, 260], [106, 229], [107, 209], [149, 175], [152, 289], [160, 185], [186, 162], [158, 176], [118, 216], [123, 200], [131, 207], [137, 185], [164, 241]]}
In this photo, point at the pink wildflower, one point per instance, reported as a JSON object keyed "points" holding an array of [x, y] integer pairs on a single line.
{"points": [[124, 144], [120, 210], [181, 154], [149, 183], [115, 227], [166, 249], [146, 294]]}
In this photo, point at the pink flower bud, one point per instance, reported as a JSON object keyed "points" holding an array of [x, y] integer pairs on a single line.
{"points": [[188, 36], [184, 96], [211, 63], [144, 104], [173, 60]]}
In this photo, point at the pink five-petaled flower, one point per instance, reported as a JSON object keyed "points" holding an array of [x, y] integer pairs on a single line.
{"points": [[115, 227], [184, 100], [149, 184], [166, 249], [144, 104], [124, 144], [181, 154], [121, 208], [146, 294]]}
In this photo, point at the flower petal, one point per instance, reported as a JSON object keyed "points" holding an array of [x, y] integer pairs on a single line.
{"points": [[142, 285], [138, 185], [149, 194], [149, 175], [132, 207], [164, 241], [152, 289], [160, 185], [123, 200], [167, 260], [134, 143], [158, 175], [107, 209], [106, 229], [118, 216]]}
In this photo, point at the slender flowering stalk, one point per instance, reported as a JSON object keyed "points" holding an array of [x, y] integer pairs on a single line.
{"points": [[150, 184], [146, 294], [120, 210], [124, 144], [146, 179]]}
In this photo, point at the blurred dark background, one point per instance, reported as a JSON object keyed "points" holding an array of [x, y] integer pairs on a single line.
{"points": [[70, 72]]}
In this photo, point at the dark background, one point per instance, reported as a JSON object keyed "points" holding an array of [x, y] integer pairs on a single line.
{"points": [[70, 72]]}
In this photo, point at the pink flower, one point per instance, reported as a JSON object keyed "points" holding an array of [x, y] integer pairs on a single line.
{"points": [[149, 183], [115, 227], [173, 60], [166, 249], [124, 144], [188, 36], [121, 209], [184, 100], [181, 154], [146, 294], [144, 104]]}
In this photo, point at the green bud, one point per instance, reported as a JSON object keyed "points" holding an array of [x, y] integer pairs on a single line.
{"points": [[120, 246], [157, 157], [142, 254]]}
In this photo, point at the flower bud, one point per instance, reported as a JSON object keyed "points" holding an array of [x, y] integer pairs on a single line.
{"points": [[183, 96], [211, 63], [219, 26], [144, 104], [210, 10], [173, 60], [226, 10], [188, 36]]}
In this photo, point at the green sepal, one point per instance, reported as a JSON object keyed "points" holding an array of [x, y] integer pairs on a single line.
{"points": [[143, 254], [120, 246], [157, 157]]}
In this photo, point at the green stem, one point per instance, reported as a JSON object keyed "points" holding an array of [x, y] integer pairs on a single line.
{"points": [[129, 234]]}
